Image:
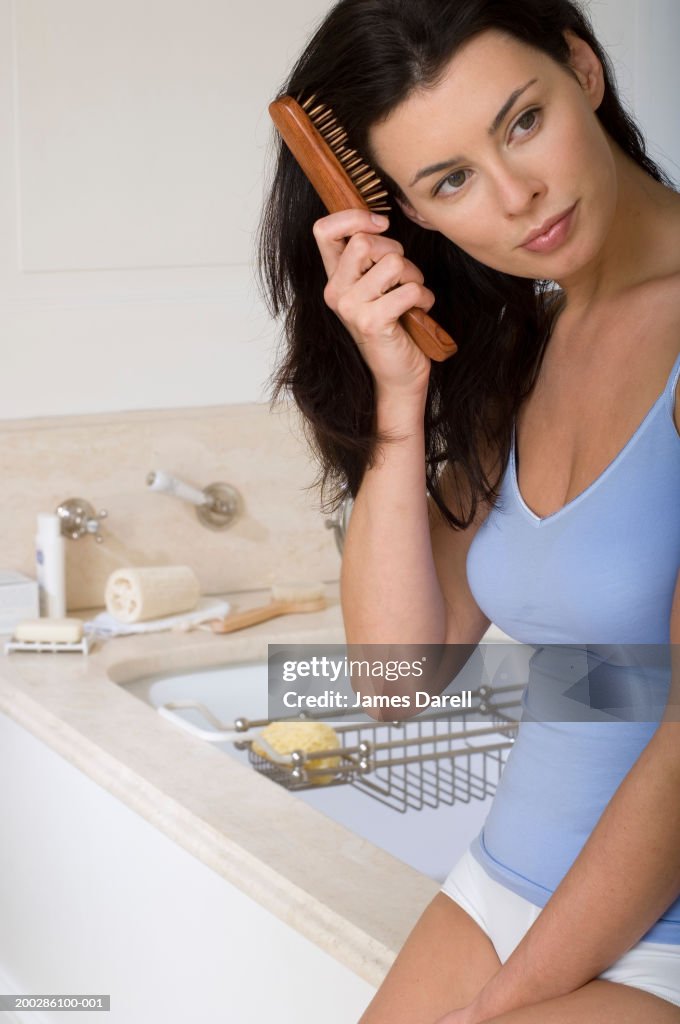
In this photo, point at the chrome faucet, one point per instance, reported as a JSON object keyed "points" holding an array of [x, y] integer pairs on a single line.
{"points": [[218, 505]]}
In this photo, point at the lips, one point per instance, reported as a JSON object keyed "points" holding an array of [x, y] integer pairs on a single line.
{"points": [[551, 234]]}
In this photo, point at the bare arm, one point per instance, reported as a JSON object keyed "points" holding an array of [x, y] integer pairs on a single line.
{"points": [[400, 584], [404, 578], [389, 587], [626, 875]]}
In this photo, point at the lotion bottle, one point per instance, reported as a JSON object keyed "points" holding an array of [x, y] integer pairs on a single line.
{"points": [[50, 562]]}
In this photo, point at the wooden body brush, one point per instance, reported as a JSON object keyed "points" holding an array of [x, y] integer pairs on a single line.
{"points": [[284, 601], [344, 181]]}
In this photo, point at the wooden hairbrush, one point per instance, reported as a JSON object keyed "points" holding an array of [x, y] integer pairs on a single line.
{"points": [[344, 181]]}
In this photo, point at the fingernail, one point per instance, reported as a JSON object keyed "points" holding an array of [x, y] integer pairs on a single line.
{"points": [[382, 222]]}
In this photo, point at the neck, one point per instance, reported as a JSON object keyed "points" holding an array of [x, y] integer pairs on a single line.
{"points": [[639, 245]]}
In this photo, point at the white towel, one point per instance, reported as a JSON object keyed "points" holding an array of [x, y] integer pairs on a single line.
{"points": [[105, 625]]}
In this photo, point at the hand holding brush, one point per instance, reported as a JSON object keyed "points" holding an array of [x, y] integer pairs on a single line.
{"points": [[343, 181]]}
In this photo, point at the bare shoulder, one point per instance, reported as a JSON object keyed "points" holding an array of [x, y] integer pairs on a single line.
{"points": [[674, 346], [659, 287], [670, 296], [647, 322], [662, 298]]}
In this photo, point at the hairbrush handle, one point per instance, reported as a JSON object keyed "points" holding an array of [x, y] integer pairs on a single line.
{"points": [[338, 192]]}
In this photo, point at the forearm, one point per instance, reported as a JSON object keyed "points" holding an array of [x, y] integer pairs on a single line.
{"points": [[626, 875], [389, 586]]}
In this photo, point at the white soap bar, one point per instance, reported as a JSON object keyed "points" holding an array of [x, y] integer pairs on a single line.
{"points": [[61, 631]]}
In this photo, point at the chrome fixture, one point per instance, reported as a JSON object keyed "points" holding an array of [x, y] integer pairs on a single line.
{"points": [[78, 518], [339, 520], [218, 506], [442, 757]]}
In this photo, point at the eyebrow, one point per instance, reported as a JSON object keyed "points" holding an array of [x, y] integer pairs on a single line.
{"points": [[425, 172]]}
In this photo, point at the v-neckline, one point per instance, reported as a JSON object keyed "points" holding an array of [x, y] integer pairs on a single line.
{"points": [[598, 479]]}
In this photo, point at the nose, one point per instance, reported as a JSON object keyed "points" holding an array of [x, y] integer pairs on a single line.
{"points": [[518, 190]]}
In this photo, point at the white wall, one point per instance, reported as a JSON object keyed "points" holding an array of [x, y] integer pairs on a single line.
{"points": [[642, 37], [129, 195], [130, 188]]}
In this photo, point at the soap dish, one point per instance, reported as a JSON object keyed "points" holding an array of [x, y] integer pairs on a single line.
{"points": [[49, 646]]}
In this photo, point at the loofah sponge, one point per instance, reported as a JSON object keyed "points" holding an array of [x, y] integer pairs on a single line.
{"points": [[285, 737], [151, 592]]}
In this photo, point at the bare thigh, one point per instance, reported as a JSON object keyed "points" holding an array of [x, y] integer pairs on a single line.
{"points": [[443, 964]]}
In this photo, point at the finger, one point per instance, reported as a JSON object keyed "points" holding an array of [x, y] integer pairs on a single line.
{"points": [[380, 318], [388, 273], [361, 253], [331, 233]]}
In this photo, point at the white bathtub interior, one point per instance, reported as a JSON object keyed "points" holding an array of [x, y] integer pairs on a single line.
{"points": [[430, 839]]}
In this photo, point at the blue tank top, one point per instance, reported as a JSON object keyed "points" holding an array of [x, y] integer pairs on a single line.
{"points": [[600, 571]]}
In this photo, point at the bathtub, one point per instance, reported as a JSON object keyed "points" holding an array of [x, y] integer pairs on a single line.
{"points": [[429, 839]]}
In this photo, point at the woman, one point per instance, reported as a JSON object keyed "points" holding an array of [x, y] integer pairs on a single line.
{"points": [[544, 239]]}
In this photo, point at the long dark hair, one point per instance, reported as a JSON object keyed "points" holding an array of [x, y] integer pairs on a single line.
{"points": [[365, 58]]}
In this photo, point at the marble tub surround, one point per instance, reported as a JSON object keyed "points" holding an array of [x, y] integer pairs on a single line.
{"points": [[335, 888], [281, 537]]}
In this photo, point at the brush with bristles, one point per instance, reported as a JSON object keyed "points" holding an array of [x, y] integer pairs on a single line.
{"points": [[343, 180], [285, 600]]}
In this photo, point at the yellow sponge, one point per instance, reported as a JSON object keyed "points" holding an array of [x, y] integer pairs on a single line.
{"points": [[285, 737]]}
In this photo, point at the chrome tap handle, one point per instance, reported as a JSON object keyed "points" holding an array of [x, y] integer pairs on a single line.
{"points": [[78, 517]]}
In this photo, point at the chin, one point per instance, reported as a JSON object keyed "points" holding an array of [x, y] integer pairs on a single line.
{"points": [[569, 261], [570, 265]]}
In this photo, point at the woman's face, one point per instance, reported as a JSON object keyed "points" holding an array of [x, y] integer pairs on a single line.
{"points": [[505, 145]]}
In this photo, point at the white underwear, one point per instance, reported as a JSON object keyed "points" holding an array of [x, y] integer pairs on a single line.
{"points": [[506, 917]]}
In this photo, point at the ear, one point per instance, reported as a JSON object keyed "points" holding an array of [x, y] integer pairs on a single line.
{"points": [[409, 212], [587, 68]]}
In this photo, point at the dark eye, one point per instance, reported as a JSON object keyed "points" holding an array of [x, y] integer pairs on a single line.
{"points": [[527, 121], [457, 179], [452, 183]]}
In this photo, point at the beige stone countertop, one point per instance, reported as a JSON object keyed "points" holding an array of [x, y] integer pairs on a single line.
{"points": [[332, 886]]}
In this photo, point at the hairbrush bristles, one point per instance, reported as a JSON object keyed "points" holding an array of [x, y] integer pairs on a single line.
{"points": [[365, 179], [344, 181]]}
